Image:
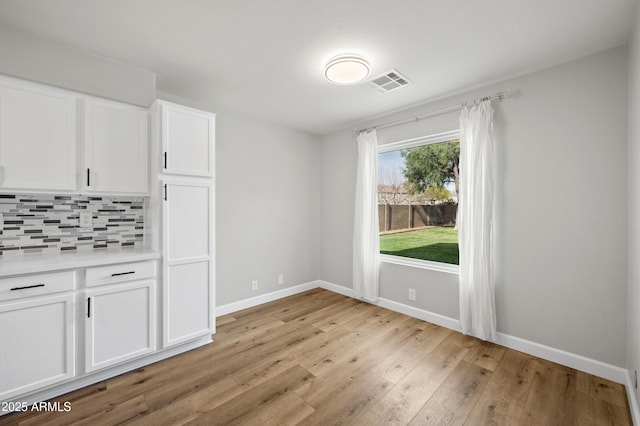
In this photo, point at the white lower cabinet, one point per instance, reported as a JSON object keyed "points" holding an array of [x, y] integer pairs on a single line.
{"points": [[187, 302], [120, 323], [36, 343], [51, 320]]}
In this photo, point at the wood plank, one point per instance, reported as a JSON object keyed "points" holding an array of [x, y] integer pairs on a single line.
{"points": [[182, 410], [594, 411], [85, 413], [358, 313], [409, 395], [455, 398], [263, 369], [597, 387], [373, 341], [340, 368], [350, 402], [116, 413], [45, 417], [290, 409], [250, 405], [268, 309], [241, 327], [552, 399], [320, 301], [506, 394], [369, 418], [190, 378], [486, 355], [224, 320], [405, 359], [341, 305]]}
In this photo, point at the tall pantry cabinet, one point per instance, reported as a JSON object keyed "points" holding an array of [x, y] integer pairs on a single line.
{"points": [[183, 187]]}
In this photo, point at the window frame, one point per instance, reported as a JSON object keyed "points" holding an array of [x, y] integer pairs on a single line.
{"points": [[412, 143]]}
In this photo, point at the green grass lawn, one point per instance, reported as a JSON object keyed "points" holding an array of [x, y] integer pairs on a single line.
{"points": [[435, 244]]}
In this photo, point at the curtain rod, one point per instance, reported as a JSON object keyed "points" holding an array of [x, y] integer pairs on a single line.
{"points": [[500, 95]]}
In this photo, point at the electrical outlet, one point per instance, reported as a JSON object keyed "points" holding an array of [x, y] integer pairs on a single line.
{"points": [[412, 294], [86, 219], [254, 285], [280, 279]]}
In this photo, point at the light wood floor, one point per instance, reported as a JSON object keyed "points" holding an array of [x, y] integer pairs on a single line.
{"points": [[319, 358]]}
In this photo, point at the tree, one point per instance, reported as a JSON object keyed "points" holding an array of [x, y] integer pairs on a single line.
{"points": [[390, 186], [437, 193], [432, 165]]}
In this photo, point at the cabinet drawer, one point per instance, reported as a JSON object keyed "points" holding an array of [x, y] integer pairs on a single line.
{"points": [[120, 272], [35, 285]]}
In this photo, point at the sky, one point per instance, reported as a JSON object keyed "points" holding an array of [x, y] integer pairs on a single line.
{"points": [[390, 166]]}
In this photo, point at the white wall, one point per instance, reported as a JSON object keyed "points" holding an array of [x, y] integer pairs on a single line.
{"points": [[561, 216], [633, 324], [267, 207], [50, 63]]}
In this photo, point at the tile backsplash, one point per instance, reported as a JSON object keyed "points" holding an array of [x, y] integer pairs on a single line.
{"points": [[47, 223]]}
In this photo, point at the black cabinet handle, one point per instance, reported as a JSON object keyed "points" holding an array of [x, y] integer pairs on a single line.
{"points": [[123, 273], [89, 307], [27, 286], [165, 192], [88, 176], [165, 159]]}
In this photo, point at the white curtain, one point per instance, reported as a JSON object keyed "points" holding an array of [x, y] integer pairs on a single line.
{"points": [[366, 238], [475, 222]]}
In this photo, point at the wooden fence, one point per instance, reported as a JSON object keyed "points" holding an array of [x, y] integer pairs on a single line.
{"points": [[401, 216]]}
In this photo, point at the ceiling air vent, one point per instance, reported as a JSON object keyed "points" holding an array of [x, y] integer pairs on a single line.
{"points": [[388, 82]]}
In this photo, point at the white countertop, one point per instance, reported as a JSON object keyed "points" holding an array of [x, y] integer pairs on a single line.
{"points": [[34, 263]]}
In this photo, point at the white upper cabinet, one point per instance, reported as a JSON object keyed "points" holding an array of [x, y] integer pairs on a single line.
{"points": [[37, 137], [116, 148], [187, 140]]}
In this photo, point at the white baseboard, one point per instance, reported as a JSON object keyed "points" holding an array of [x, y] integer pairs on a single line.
{"points": [[568, 359], [345, 291], [412, 311], [264, 298], [579, 362]]}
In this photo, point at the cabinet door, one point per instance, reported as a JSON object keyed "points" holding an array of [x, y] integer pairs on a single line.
{"points": [[187, 140], [116, 147], [188, 299], [187, 223], [37, 138], [119, 323], [188, 302], [36, 348]]}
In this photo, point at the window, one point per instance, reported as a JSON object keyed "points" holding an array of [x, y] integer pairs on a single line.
{"points": [[418, 198]]}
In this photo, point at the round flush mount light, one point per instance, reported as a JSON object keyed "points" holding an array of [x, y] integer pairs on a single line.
{"points": [[346, 69]]}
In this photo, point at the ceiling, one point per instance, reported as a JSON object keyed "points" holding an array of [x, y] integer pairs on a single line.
{"points": [[266, 58]]}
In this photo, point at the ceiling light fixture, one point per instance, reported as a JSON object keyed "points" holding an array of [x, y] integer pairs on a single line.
{"points": [[347, 69]]}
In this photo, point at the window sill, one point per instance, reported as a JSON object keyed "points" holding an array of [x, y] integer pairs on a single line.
{"points": [[422, 264]]}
